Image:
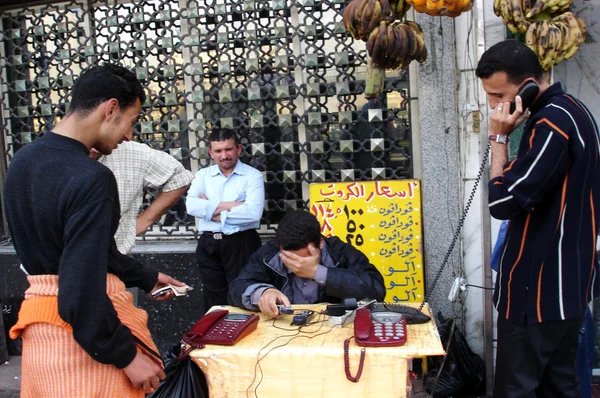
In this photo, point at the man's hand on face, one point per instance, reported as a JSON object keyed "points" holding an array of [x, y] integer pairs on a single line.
{"points": [[502, 122], [304, 267], [268, 302]]}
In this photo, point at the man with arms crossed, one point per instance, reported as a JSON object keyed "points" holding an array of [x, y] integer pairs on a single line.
{"points": [[548, 272], [228, 200], [302, 267], [63, 210]]}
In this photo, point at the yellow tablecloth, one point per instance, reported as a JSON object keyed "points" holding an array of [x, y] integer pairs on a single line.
{"points": [[310, 363]]}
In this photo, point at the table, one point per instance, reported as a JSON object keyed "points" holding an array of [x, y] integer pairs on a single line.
{"points": [[310, 364]]}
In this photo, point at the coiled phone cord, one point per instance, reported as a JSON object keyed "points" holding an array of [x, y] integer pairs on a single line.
{"points": [[459, 227]]}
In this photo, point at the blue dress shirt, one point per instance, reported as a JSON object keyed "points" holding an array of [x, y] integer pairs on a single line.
{"points": [[244, 184]]}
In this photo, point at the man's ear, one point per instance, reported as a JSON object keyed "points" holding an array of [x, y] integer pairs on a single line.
{"points": [[321, 244], [111, 108]]}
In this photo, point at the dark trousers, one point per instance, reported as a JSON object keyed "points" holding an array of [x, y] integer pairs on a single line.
{"points": [[537, 360], [220, 262]]}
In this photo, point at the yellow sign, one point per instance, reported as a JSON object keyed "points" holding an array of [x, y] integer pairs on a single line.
{"points": [[383, 220]]}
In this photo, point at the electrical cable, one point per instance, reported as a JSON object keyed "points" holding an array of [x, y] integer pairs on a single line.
{"points": [[458, 228], [293, 337], [258, 359], [480, 287]]}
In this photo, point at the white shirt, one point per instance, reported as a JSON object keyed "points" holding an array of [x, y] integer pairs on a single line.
{"points": [[244, 184]]}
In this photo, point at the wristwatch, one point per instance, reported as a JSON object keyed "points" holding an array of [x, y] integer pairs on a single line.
{"points": [[499, 138]]}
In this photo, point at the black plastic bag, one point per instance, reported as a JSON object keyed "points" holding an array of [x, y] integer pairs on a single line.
{"points": [[448, 384], [184, 379], [463, 371]]}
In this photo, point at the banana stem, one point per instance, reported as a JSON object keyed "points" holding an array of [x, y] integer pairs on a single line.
{"points": [[375, 80]]}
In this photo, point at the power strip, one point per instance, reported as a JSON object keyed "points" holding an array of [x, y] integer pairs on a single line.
{"points": [[459, 284], [341, 321]]}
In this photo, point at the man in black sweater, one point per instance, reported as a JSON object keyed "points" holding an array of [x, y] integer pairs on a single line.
{"points": [[302, 267], [63, 210]]}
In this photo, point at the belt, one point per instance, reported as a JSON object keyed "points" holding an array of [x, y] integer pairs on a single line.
{"points": [[221, 235], [214, 235]]}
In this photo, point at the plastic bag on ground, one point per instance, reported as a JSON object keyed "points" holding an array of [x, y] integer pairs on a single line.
{"points": [[463, 371], [184, 379]]}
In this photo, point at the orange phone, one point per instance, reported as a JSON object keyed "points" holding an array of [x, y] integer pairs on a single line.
{"points": [[222, 327], [379, 329]]}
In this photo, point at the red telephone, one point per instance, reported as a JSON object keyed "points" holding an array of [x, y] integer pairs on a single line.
{"points": [[221, 327], [379, 329]]}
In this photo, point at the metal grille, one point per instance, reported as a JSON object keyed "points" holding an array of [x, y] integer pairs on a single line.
{"points": [[284, 74]]}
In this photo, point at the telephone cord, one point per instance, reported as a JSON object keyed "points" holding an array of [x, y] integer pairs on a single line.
{"points": [[459, 227]]}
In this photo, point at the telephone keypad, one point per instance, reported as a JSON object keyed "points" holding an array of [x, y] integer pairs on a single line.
{"points": [[225, 329], [379, 329], [389, 331]]}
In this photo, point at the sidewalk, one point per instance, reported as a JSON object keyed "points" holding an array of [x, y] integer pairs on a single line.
{"points": [[10, 378]]}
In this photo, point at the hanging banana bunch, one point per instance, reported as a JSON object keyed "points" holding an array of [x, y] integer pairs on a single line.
{"points": [[551, 7], [446, 8], [395, 45], [362, 16], [390, 45], [556, 39], [513, 14]]}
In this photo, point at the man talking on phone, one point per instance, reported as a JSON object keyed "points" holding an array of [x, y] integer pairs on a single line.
{"points": [[548, 272]]}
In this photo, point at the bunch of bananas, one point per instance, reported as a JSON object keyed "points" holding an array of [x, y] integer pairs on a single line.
{"points": [[362, 16], [395, 45], [513, 14], [518, 15], [447, 8], [556, 39], [390, 44], [552, 7]]}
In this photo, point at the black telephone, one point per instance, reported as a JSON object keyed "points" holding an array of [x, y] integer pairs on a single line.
{"points": [[528, 93], [222, 328], [379, 329], [411, 314]]}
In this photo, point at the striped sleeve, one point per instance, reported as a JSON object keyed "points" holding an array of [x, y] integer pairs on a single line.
{"points": [[531, 176]]}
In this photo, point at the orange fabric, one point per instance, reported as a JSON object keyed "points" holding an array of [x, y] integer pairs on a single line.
{"points": [[53, 364]]}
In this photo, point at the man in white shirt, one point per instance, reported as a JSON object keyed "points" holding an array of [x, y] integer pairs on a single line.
{"points": [[228, 199], [137, 167]]}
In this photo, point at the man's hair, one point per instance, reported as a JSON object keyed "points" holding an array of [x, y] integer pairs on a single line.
{"points": [[297, 229], [101, 83], [512, 57], [223, 135]]}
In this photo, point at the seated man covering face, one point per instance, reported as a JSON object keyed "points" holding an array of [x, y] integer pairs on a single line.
{"points": [[302, 267]]}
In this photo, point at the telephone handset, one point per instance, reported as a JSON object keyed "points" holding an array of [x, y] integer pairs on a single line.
{"points": [[222, 328], [379, 329], [528, 93]]}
